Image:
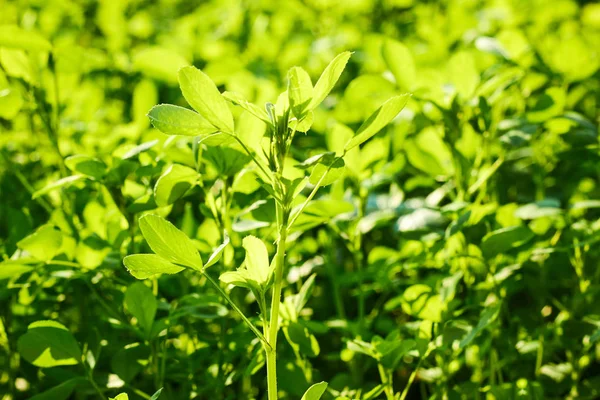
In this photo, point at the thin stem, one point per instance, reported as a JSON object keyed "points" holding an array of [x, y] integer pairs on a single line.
{"points": [[90, 378], [413, 375], [251, 154], [236, 308], [309, 198], [275, 302]]}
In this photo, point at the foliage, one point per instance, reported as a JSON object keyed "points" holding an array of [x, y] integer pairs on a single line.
{"points": [[299, 200]]}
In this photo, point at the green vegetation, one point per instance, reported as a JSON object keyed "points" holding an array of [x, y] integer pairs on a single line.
{"points": [[309, 200]]}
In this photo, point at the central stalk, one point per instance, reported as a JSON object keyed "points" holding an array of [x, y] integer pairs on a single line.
{"points": [[275, 301]]}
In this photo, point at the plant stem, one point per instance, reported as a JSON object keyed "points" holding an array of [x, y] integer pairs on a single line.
{"points": [[275, 302], [90, 378], [236, 308], [413, 375]]}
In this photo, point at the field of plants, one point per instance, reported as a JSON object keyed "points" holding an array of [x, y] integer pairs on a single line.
{"points": [[304, 199]]}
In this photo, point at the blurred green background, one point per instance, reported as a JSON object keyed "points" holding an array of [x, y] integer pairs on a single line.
{"points": [[501, 133]]}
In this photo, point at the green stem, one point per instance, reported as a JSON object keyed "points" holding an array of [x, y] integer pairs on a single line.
{"points": [[275, 302], [90, 378], [386, 382], [236, 308], [251, 154], [413, 375]]}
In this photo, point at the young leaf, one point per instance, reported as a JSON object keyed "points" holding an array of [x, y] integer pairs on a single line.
{"points": [[173, 184], [120, 396], [175, 120], [142, 304], [315, 391], [49, 344], [400, 62], [380, 118], [216, 255], [156, 395], [43, 244], [502, 240], [202, 94], [300, 91], [331, 171], [13, 36], [257, 259], [253, 109], [64, 182], [144, 266], [169, 242], [86, 165], [328, 78], [488, 316]]}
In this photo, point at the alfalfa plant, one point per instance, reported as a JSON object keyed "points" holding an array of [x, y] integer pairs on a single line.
{"points": [[213, 125]]}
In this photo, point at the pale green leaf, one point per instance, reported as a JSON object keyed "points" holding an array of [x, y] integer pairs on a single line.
{"points": [[217, 253], [43, 244], [378, 120], [64, 182], [328, 78], [175, 120], [16, 37], [173, 184], [315, 391], [253, 109], [401, 63], [202, 94], [300, 91], [86, 165], [257, 259], [169, 242], [143, 266]]}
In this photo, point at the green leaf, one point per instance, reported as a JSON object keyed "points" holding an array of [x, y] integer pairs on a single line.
{"points": [[137, 150], [169, 242], [142, 304], [18, 38], [64, 182], [488, 316], [156, 395], [217, 253], [159, 63], [12, 269], [401, 63], [332, 173], [86, 165], [129, 361], [120, 396], [379, 119], [62, 391], [539, 209], [175, 120], [257, 259], [49, 344], [226, 160], [305, 342], [202, 94], [315, 391], [253, 109], [300, 91], [502, 240], [43, 244], [173, 184], [419, 301], [328, 78]]}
